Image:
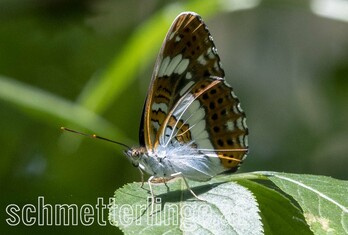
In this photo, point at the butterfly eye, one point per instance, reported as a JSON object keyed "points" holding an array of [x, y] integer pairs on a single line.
{"points": [[134, 154]]}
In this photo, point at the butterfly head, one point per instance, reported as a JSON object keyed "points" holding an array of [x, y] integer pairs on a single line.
{"points": [[135, 155]]}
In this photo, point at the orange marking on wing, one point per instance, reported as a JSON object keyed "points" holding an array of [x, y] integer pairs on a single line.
{"points": [[229, 158], [190, 20], [197, 27]]}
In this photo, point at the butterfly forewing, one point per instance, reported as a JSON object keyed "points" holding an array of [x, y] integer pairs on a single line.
{"points": [[187, 55], [189, 102]]}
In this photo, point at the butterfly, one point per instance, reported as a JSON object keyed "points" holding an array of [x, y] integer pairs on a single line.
{"points": [[192, 124]]}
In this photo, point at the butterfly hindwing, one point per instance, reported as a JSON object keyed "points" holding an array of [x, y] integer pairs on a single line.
{"points": [[225, 124], [209, 118]]}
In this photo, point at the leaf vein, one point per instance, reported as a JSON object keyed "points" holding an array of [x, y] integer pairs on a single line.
{"points": [[322, 195]]}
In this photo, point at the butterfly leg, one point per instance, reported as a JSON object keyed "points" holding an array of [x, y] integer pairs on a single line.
{"points": [[179, 174], [165, 183], [152, 193], [142, 178]]}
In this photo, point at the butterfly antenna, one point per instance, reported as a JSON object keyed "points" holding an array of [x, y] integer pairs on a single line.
{"points": [[94, 136]]}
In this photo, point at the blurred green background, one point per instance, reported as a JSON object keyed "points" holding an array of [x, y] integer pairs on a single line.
{"points": [[87, 65]]}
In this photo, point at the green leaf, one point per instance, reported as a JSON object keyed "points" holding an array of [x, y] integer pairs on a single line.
{"points": [[228, 209], [324, 200], [235, 204], [279, 214], [53, 109]]}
